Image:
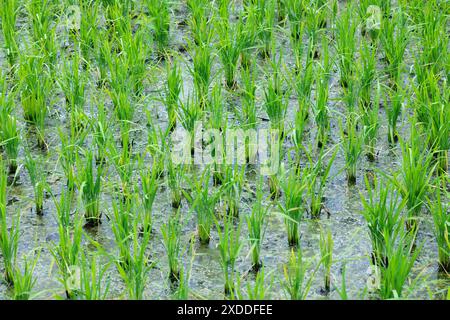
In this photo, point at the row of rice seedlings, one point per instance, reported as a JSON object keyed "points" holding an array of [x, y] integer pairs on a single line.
{"points": [[229, 248], [35, 89], [8, 13]]}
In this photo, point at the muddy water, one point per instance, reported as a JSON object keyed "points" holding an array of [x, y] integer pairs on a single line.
{"points": [[351, 242]]}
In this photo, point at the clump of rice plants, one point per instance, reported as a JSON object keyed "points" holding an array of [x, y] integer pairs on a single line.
{"points": [[160, 18], [352, 145], [233, 183], [175, 174], [393, 111], [150, 184], [371, 125], [229, 248], [10, 140], [67, 252], [439, 209], [297, 282], [171, 232], [93, 277], [326, 252], [8, 13], [274, 101], [172, 93], [382, 211], [25, 280], [90, 187], [257, 223], [38, 181], [293, 187], [201, 71], [321, 112], [9, 236]]}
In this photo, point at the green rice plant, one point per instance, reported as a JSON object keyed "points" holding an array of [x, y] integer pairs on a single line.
{"points": [[230, 46], [367, 73], [101, 132], [257, 223], [297, 282], [67, 155], [11, 140], [90, 188], [249, 33], [160, 17], [346, 44], [122, 228], [326, 252], [67, 252], [320, 109], [8, 13], [393, 111], [137, 267], [43, 28], [182, 290], [201, 71], [394, 39], [171, 233], [259, 290], [72, 82], [249, 108], [92, 278], [413, 179], [401, 257], [266, 21], [35, 88], [274, 100], [175, 176], [9, 236], [293, 187], [315, 20], [295, 12], [124, 165], [382, 211], [200, 21], [439, 210], [317, 174], [89, 15], [203, 202], [216, 112], [25, 280], [229, 249], [352, 146], [233, 184], [38, 180], [371, 124], [172, 93], [150, 183]]}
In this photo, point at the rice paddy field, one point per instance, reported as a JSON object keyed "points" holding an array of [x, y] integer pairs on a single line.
{"points": [[254, 149]]}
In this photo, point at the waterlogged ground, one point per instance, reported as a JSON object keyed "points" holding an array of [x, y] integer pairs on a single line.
{"points": [[341, 215]]}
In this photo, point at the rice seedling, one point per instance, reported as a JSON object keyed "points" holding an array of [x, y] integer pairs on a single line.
{"points": [[10, 141], [35, 88], [229, 248], [297, 282], [172, 93], [233, 184], [201, 71], [382, 212], [93, 282], [345, 44], [90, 187], [401, 257], [413, 179], [259, 290], [320, 109], [266, 21], [439, 210], [256, 223], [175, 175], [326, 252], [101, 132], [371, 125], [317, 174], [200, 21], [89, 15], [367, 73], [9, 236], [394, 39], [274, 101], [25, 280], [295, 11], [203, 202], [393, 111], [68, 154], [352, 146], [36, 172], [67, 252], [160, 17], [171, 232], [8, 13], [150, 184], [293, 187]]}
